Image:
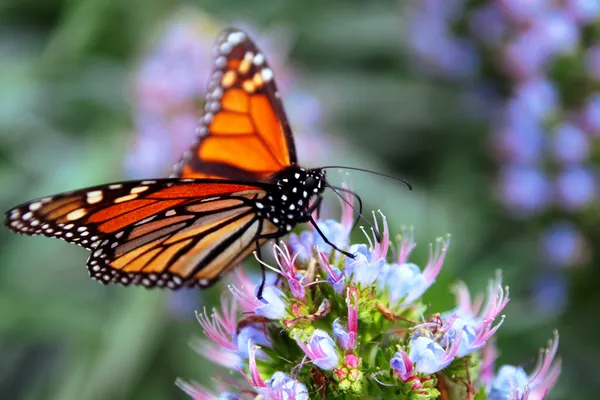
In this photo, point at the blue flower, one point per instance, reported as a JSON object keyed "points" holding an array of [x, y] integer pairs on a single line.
{"points": [[510, 383], [253, 333], [403, 283], [321, 350], [273, 304], [524, 189], [282, 387], [335, 232], [362, 270], [513, 383], [428, 356]]}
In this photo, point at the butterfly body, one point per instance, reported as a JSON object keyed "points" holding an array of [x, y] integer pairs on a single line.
{"points": [[289, 202], [238, 186]]}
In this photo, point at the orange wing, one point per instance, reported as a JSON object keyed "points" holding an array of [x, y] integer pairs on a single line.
{"points": [[164, 233], [244, 133]]}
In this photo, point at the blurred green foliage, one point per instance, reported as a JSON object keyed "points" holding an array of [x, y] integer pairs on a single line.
{"points": [[66, 122]]}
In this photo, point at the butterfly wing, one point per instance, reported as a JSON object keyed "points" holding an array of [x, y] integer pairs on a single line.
{"points": [[164, 233], [244, 133]]}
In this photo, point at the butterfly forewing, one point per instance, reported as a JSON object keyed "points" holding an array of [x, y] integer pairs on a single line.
{"points": [[167, 233], [244, 133]]}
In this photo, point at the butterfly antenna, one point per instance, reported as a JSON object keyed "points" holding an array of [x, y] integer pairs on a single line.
{"points": [[343, 198], [371, 172], [358, 213]]}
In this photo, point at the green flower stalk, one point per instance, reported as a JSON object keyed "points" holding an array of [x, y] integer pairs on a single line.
{"points": [[331, 326]]}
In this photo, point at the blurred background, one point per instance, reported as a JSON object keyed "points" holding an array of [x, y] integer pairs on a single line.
{"points": [[490, 108]]}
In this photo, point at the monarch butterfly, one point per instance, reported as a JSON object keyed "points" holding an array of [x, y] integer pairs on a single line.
{"points": [[238, 186]]}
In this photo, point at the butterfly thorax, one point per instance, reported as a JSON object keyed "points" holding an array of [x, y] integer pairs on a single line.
{"points": [[290, 200]]}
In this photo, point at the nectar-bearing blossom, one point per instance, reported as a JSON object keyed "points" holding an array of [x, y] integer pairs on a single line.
{"points": [[331, 326]]}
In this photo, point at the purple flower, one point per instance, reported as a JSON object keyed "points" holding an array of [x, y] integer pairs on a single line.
{"points": [[199, 392], [321, 350], [220, 328], [217, 354], [286, 263], [346, 338], [334, 276], [570, 144], [282, 387], [369, 262], [428, 356], [489, 354], [402, 365], [254, 379], [576, 187], [272, 306], [514, 383], [524, 189], [473, 325]]}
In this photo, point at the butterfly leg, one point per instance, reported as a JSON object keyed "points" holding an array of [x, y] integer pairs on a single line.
{"points": [[259, 294], [314, 224]]}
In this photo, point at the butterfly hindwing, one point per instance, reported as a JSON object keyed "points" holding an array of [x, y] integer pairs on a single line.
{"points": [[244, 133], [165, 233]]}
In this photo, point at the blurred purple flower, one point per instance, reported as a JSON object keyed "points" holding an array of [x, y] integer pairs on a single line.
{"points": [[520, 139], [536, 97], [526, 55], [560, 32], [488, 24], [584, 11], [523, 10], [570, 145], [576, 187], [591, 114], [525, 190], [563, 245], [550, 292]]}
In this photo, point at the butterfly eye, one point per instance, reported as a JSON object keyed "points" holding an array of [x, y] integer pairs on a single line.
{"points": [[311, 182]]}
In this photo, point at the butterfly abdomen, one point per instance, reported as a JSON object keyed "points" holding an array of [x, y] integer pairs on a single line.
{"points": [[290, 200]]}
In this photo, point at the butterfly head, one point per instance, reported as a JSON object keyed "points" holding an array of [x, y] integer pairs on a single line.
{"points": [[290, 202]]}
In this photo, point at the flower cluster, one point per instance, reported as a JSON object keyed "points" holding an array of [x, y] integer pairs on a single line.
{"points": [[539, 64], [331, 325]]}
